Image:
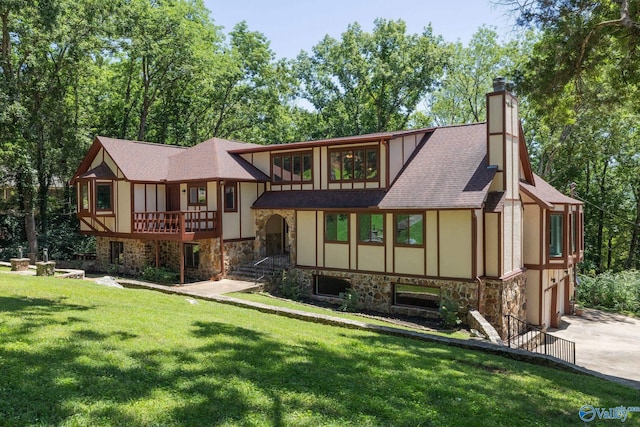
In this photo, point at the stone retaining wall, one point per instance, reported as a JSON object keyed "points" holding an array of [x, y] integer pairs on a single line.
{"points": [[238, 253]]}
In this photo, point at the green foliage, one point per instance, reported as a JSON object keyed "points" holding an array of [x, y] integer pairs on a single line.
{"points": [[615, 291], [160, 275], [349, 300], [370, 82], [449, 312], [76, 353], [288, 284]]}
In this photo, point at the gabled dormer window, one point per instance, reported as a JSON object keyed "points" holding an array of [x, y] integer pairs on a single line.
{"points": [[357, 164]]}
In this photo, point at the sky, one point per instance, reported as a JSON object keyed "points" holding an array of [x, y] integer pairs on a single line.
{"points": [[295, 25]]}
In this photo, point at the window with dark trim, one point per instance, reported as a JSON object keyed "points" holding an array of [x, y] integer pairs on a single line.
{"points": [[330, 286], [555, 235], [336, 227], [292, 167], [371, 228], [231, 197], [416, 296], [104, 196], [84, 196], [409, 229], [192, 255], [357, 164], [116, 253], [197, 194], [574, 231]]}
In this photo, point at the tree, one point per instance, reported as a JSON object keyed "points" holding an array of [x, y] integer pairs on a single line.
{"points": [[461, 96], [370, 82]]}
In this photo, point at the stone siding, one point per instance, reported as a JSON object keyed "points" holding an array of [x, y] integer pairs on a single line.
{"points": [[238, 253], [262, 217], [502, 297], [137, 254]]}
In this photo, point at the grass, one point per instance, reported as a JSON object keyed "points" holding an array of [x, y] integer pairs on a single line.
{"points": [[73, 353], [278, 302]]}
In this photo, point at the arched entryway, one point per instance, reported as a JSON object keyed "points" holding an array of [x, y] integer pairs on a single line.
{"points": [[276, 236]]}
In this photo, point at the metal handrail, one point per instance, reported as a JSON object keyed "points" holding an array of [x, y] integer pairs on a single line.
{"points": [[522, 335]]}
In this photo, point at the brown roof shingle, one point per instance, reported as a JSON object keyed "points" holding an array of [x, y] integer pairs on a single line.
{"points": [[449, 170], [211, 160], [320, 199], [545, 192]]}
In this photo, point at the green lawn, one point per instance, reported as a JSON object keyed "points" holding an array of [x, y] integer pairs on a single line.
{"points": [[75, 353]]}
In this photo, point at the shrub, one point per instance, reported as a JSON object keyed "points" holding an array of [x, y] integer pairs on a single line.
{"points": [[449, 312], [287, 284], [349, 300], [160, 275], [614, 291]]}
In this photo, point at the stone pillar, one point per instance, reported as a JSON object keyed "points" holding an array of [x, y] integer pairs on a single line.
{"points": [[19, 264], [45, 268]]}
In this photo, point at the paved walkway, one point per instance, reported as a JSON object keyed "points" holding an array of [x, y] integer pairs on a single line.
{"points": [[605, 342]]}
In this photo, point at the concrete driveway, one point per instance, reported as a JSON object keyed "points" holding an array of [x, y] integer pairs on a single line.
{"points": [[608, 343]]}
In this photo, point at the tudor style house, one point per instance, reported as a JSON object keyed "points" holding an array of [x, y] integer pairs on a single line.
{"points": [[404, 218]]}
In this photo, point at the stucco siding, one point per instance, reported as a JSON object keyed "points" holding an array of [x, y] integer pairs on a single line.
{"points": [[306, 242], [455, 244]]}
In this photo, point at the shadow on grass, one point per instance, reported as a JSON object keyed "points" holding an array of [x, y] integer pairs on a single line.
{"points": [[236, 375]]}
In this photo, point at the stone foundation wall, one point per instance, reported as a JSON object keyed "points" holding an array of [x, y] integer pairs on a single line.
{"points": [[375, 291], [238, 253], [502, 297], [137, 254]]}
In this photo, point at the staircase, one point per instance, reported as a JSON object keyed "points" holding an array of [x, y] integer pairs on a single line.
{"points": [[262, 270]]}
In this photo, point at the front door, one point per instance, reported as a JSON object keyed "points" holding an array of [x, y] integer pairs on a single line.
{"points": [[173, 197]]}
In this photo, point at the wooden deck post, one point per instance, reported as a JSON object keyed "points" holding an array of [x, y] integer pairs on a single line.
{"points": [[181, 262]]}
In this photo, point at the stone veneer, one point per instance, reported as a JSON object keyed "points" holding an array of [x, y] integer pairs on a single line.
{"points": [[238, 252], [138, 254], [375, 292], [262, 217]]}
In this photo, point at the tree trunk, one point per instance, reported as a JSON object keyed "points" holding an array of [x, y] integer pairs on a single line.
{"points": [[633, 246]]}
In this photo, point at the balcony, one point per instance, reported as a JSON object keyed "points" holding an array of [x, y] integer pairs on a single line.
{"points": [[176, 225]]}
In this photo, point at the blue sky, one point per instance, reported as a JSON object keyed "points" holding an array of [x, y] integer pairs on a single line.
{"points": [[295, 25]]}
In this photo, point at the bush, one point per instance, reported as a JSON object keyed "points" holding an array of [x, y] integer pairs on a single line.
{"points": [[449, 312], [614, 291], [349, 300], [160, 275], [287, 284]]}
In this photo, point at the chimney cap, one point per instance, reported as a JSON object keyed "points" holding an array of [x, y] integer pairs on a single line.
{"points": [[499, 84]]}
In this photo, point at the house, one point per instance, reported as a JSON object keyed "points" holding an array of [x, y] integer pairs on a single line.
{"points": [[404, 218]]}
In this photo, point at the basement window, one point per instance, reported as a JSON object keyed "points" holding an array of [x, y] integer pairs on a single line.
{"points": [[330, 286], [116, 255], [191, 255], [416, 296]]}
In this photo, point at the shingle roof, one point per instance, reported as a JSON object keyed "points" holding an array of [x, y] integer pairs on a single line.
{"points": [[148, 162], [211, 159], [319, 199], [140, 161], [449, 170], [544, 192]]}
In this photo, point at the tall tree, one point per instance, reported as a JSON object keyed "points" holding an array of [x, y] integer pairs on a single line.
{"points": [[370, 82]]}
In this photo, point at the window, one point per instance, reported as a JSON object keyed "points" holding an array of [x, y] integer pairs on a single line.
{"points": [[409, 229], [191, 255], [84, 196], [416, 296], [104, 192], [555, 235], [230, 197], [291, 167], [198, 194], [116, 255], [358, 164], [336, 227], [371, 228], [331, 286]]}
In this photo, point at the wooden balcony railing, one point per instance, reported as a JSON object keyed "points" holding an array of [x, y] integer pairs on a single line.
{"points": [[174, 222]]}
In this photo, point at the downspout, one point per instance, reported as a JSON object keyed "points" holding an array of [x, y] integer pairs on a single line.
{"points": [[479, 293]]}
